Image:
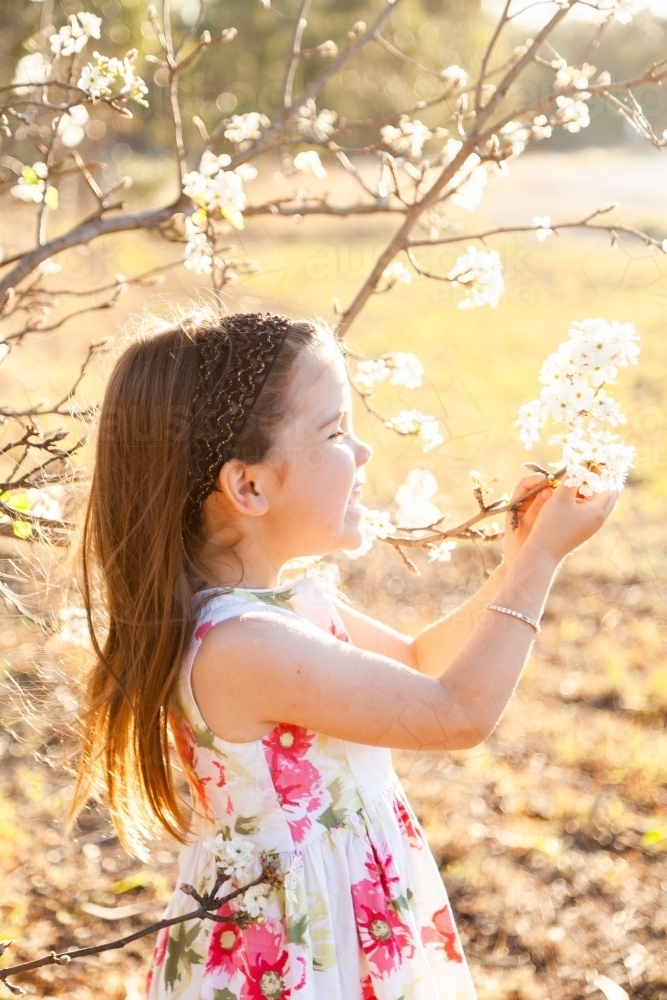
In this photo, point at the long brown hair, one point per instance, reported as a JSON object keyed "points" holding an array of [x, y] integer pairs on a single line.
{"points": [[138, 564]]}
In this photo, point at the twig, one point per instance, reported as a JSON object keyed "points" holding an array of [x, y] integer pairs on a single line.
{"points": [[463, 530], [295, 52], [207, 904]]}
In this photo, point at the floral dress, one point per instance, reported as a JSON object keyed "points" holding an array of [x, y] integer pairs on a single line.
{"points": [[360, 912]]}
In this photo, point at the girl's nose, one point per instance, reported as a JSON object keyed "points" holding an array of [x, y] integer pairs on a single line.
{"points": [[363, 452]]}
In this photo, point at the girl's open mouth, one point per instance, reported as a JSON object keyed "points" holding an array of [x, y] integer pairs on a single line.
{"points": [[355, 495]]}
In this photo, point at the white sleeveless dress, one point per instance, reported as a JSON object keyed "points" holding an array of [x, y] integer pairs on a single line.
{"points": [[362, 913]]}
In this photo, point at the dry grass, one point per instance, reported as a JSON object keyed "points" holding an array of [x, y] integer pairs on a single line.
{"points": [[552, 836]]}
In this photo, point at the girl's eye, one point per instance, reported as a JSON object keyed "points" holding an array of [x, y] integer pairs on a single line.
{"points": [[338, 434]]}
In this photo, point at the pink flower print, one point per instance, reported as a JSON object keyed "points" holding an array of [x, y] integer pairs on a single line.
{"points": [[203, 630], [382, 870], [286, 744], [443, 934], [159, 953], [343, 636], [367, 991], [225, 951], [385, 940], [266, 964], [300, 791], [409, 824], [186, 748], [160, 947], [222, 775]]}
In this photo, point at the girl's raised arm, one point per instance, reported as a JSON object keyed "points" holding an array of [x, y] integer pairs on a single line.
{"points": [[257, 670]]}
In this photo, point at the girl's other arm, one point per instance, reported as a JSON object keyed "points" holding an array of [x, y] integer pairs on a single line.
{"points": [[451, 633], [251, 674]]}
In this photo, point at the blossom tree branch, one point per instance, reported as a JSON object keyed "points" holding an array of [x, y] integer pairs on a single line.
{"points": [[207, 909]]}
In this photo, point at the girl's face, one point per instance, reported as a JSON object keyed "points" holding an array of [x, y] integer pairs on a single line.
{"points": [[315, 506]]}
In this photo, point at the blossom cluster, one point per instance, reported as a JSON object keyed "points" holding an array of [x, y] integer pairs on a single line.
{"points": [[313, 124], [33, 186], [573, 398], [416, 424], [102, 76], [242, 128], [480, 273], [73, 36], [408, 137], [239, 860], [215, 190], [396, 367]]}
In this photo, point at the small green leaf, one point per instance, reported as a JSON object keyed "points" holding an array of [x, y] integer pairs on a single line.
{"points": [[22, 529], [51, 198], [245, 826], [224, 995], [296, 931], [29, 175]]}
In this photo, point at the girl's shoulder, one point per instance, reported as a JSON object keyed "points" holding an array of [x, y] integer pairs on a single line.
{"points": [[312, 598]]}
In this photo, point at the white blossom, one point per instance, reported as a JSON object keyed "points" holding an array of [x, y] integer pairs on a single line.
{"points": [[408, 137], [622, 11], [198, 250], [244, 127], [517, 135], [32, 184], [542, 225], [454, 75], [397, 367], [569, 76], [255, 900], [236, 858], [573, 399], [315, 126], [415, 500], [246, 172], [74, 626], [309, 159], [373, 524], [74, 35], [479, 272], [216, 190], [412, 422], [105, 74], [541, 129], [49, 266], [572, 113], [396, 273], [72, 124], [442, 552], [31, 69]]}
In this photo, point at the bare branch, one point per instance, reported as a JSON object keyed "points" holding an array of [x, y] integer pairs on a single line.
{"points": [[502, 21], [300, 23]]}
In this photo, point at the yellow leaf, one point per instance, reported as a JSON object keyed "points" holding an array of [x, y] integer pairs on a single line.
{"points": [[234, 216], [51, 198], [200, 218], [132, 882], [22, 529]]}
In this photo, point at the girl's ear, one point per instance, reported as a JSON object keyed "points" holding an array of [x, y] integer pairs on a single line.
{"points": [[241, 486]]}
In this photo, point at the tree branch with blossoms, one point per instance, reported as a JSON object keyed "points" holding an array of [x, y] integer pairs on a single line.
{"points": [[236, 861], [573, 400]]}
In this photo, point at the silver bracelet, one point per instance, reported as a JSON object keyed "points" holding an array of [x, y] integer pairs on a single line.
{"points": [[515, 614]]}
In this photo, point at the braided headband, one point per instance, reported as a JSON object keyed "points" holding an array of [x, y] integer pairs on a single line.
{"points": [[234, 361]]}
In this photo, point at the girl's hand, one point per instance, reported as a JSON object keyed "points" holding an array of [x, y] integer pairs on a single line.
{"points": [[528, 511], [566, 520]]}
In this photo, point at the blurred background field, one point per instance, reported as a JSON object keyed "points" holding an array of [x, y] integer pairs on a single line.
{"points": [[552, 837]]}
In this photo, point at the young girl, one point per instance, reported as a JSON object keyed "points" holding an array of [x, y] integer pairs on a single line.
{"points": [[225, 450]]}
